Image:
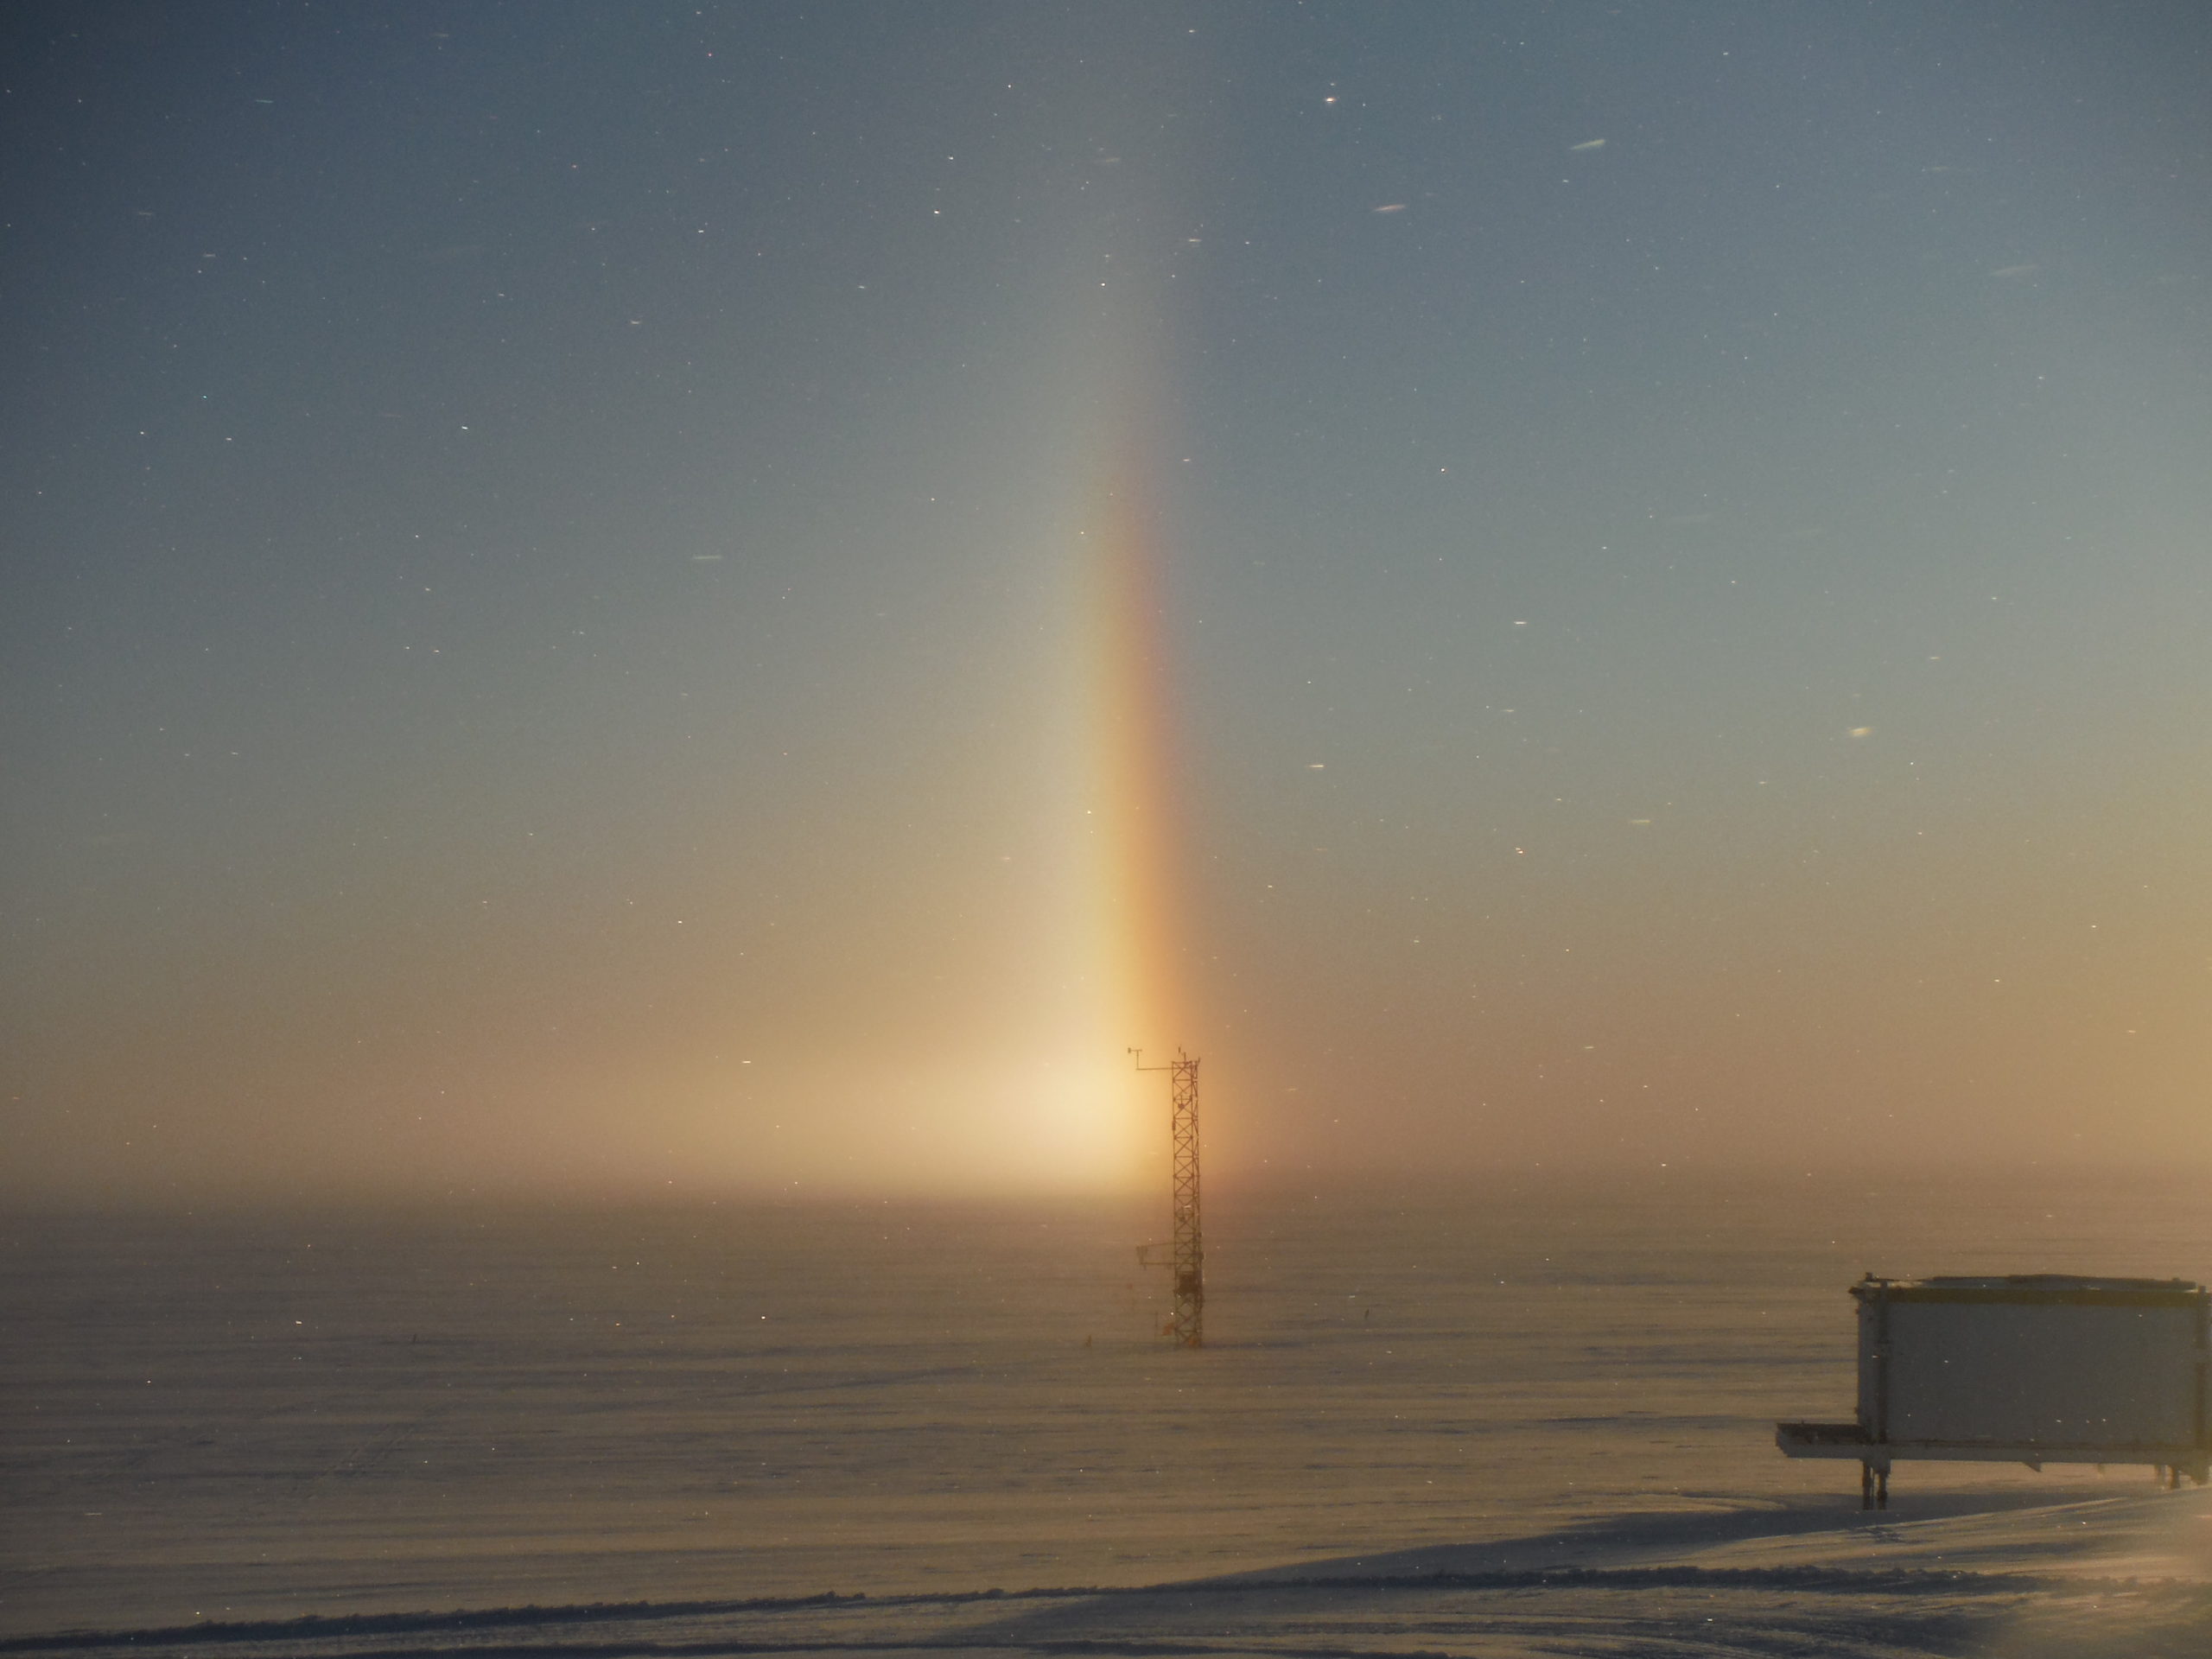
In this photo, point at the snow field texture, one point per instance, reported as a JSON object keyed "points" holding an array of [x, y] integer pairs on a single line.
{"points": [[1537, 1414]]}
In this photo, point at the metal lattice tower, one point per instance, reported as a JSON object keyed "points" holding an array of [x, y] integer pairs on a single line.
{"points": [[1186, 1326]]}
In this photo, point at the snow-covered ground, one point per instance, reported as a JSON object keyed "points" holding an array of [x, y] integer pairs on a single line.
{"points": [[1539, 1422], [2121, 1576]]}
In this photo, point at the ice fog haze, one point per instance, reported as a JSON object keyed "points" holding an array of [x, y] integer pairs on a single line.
{"points": [[732, 600]]}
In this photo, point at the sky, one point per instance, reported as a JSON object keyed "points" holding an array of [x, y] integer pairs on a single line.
{"points": [[741, 598]]}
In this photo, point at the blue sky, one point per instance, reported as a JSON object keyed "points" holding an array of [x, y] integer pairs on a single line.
{"points": [[541, 604]]}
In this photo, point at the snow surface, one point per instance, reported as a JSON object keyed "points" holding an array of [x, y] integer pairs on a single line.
{"points": [[2109, 1577], [1532, 1419]]}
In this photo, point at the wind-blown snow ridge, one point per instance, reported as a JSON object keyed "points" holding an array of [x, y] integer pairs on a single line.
{"points": [[1833, 1581], [2111, 1579]]}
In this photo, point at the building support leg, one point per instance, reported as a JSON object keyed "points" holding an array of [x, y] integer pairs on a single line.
{"points": [[1866, 1486], [1882, 1489]]}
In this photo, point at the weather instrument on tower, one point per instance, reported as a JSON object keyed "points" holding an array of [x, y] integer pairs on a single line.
{"points": [[1187, 1255]]}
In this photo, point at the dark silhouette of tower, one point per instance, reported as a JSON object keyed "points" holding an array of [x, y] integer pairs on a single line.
{"points": [[1187, 1324]]}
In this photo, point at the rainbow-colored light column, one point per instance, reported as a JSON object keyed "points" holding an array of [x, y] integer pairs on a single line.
{"points": [[1136, 934]]}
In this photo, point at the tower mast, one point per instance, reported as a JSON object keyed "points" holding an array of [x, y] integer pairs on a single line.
{"points": [[1186, 1326]]}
